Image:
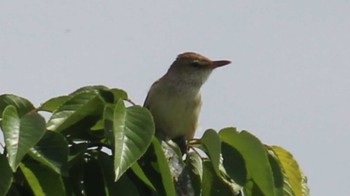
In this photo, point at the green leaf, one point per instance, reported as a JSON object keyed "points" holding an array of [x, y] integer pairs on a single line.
{"points": [[52, 151], [42, 180], [53, 104], [213, 184], [195, 167], [142, 176], [211, 142], [119, 94], [131, 189], [73, 183], [82, 130], [112, 187], [99, 125], [22, 105], [93, 178], [20, 134], [252, 189], [78, 107], [234, 164], [277, 175], [103, 91], [76, 153], [130, 130], [6, 175], [295, 181], [106, 167], [89, 89], [254, 155], [163, 168]]}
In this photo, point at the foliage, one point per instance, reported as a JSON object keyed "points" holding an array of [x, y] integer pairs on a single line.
{"points": [[91, 143]]}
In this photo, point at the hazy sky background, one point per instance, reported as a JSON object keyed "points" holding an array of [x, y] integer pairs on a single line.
{"points": [[289, 81]]}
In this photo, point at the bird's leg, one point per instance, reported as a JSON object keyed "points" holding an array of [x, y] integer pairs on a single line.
{"points": [[182, 143]]}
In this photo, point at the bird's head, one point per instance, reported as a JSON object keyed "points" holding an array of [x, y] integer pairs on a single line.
{"points": [[193, 68]]}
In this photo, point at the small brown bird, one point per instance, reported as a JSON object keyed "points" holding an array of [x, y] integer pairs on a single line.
{"points": [[175, 100]]}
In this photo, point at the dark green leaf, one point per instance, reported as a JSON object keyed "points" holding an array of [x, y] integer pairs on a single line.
{"points": [[214, 185], [22, 105], [18, 190], [93, 178], [252, 189], [74, 182], [254, 155], [234, 164], [130, 130], [131, 189], [85, 89], [149, 164], [195, 167], [112, 187], [141, 175], [20, 134], [42, 180], [82, 130], [78, 107], [109, 95], [52, 151], [277, 175], [6, 175], [106, 167], [76, 153]]}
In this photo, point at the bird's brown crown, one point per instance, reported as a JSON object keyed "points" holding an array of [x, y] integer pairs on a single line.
{"points": [[192, 56], [194, 59]]}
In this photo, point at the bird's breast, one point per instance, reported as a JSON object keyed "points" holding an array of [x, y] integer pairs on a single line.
{"points": [[175, 111]]}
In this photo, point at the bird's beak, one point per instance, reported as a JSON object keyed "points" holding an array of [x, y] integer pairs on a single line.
{"points": [[220, 63]]}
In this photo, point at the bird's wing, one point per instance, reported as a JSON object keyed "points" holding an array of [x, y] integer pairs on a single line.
{"points": [[145, 104]]}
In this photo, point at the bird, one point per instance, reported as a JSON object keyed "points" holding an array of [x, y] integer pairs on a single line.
{"points": [[174, 100]]}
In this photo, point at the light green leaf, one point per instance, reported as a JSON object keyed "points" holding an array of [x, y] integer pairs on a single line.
{"points": [[20, 134], [52, 151], [53, 104], [78, 107], [42, 180], [211, 142], [119, 94], [255, 157], [163, 167], [6, 175], [130, 130], [295, 181]]}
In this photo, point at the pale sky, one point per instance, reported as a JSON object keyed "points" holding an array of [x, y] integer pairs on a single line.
{"points": [[289, 81]]}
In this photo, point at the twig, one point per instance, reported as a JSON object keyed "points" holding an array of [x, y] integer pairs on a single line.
{"points": [[131, 102]]}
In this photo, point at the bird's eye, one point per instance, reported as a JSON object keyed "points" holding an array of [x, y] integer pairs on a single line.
{"points": [[195, 64]]}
